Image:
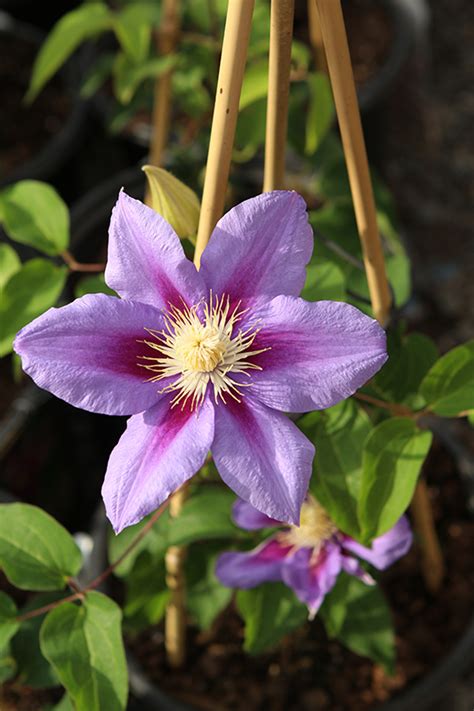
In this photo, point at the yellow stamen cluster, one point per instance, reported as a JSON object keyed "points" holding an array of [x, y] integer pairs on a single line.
{"points": [[196, 352], [315, 527]]}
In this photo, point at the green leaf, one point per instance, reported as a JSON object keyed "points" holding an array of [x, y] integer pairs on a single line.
{"points": [[8, 623], [33, 669], [7, 664], [36, 552], [94, 284], [67, 34], [133, 27], [84, 645], [33, 213], [409, 361], [320, 113], [206, 515], [146, 593], [448, 387], [65, 704], [324, 280], [127, 75], [31, 291], [255, 84], [339, 435], [154, 542], [206, 597], [393, 456], [9, 263], [359, 617], [270, 612], [97, 75]]}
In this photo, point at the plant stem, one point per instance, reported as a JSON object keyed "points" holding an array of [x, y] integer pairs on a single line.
{"points": [[432, 563], [75, 266], [79, 594], [281, 34], [166, 40], [224, 120], [345, 97], [175, 618], [394, 407]]}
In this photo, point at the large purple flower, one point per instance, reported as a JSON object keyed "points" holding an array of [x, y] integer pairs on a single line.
{"points": [[205, 360], [307, 558]]}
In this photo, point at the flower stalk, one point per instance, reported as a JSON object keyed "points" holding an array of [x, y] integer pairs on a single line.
{"points": [[281, 33]]}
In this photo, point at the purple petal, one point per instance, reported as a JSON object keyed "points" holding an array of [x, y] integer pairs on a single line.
{"points": [[247, 570], [353, 567], [263, 457], [312, 577], [385, 549], [248, 518], [159, 451], [87, 353], [146, 261], [260, 248], [319, 353]]}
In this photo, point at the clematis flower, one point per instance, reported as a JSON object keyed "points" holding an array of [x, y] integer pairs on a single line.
{"points": [[205, 360], [307, 558]]}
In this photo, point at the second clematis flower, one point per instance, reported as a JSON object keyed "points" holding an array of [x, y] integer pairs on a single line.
{"points": [[308, 558], [205, 360]]}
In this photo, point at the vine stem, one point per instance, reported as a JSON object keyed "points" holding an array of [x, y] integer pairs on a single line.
{"points": [[281, 33], [76, 266], [80, 593]]}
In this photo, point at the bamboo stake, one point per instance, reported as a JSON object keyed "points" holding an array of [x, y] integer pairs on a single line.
{"points": [[281, 33], [342, 80], [234, 54], [432, 563], [224, 120], [167, 38], [316, 38]]}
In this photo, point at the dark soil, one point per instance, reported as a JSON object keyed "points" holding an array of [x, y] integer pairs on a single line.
{"points": [[311, 672], [25, 129], [370, 36]]}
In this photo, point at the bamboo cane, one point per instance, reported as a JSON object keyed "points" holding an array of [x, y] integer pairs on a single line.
{"points": [[281, 33], [343, 86], [316, 38], [166, 40], [224, 120], [232, 66], [432, 562]]}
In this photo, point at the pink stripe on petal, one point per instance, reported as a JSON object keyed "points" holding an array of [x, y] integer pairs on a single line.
{"points": [[160, 450], [247, 570]]}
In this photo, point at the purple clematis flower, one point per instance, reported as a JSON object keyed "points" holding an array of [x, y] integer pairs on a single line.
{"points": [[307, 558], [205, 360]]}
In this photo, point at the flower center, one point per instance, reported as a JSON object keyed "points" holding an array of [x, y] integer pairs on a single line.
{"points": [[315, 527], [195, 351]]}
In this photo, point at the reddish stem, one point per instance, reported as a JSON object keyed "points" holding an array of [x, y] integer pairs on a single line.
{"points": [[76, 266]]}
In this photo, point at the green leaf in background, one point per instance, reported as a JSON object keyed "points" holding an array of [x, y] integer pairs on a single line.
{"points": [[359, 617], [320, 114], [28, 293], [84, 644], [206, 515], [128, 75], [133, 26], [146, 594], [409, 361], [255, 84], [155, 542], [8, 624], [68, 33], [270, 612], [33, 668], [394, 453], [448, 387], [33, 213], [250, 132], [206, 597], [9, 263], [64, 705], [94, 284], [97, 75], [36, 552], [7, 664], [324, 280], [339, 435]]}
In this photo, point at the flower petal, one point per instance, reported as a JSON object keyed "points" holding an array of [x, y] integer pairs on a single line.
{"points": [[160, 450], [260, 248], [385, 549], [87, 353], [263, 457], [146, 261], [247, 570], [352, 566], [249, 518], [311, 581], [319, 353]]}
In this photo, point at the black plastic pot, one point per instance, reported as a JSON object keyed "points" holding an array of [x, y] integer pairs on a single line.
{"points": [[67, 141]]}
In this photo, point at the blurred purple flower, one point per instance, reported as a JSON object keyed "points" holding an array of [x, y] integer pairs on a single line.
{"points": [[205, 360], [307, 558]]}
